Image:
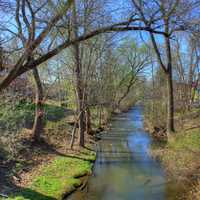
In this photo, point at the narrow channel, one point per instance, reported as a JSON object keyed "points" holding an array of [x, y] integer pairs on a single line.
{"points": [[124, 169]]}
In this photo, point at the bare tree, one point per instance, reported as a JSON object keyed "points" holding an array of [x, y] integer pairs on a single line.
{"points": [[167, 17], [78, 79], [27, 21], [186, 67], [22, 65], [135, 58]]}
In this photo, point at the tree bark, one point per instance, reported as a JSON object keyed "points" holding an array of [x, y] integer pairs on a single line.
{"points": [[78, 81], [1, 58], [74, 132], [39, 108], [88, 121], [170, 96], [170, 113], [79, 94], [81, 139]]}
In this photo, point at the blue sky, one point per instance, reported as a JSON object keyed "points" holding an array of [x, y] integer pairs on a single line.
{"points": [[119, 10]]}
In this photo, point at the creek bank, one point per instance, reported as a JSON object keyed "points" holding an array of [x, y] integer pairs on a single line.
{"points": [[97, 136], [58, 178], [157, 133], [179, 155], [32, 181], [21, 159]]}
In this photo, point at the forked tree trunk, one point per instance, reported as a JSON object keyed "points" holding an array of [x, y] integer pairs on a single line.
{"points": [[74, 132], [39, 108], [168, 72], [80, 96], [78, 80]]}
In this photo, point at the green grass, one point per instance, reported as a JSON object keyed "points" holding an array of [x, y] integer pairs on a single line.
{"points": [[181, 154], [180, 158], [58, 178], [185, 141], [61, 175], [19, 114], [13, 116]]}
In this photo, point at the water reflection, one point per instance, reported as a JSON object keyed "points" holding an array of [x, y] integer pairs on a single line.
{"points": [[124, 169]]}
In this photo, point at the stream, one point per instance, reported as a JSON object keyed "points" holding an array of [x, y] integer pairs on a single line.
{"points": [[124, 169]]}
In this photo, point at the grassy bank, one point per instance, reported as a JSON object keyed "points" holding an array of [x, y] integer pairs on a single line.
{"points": [[57, 178], [180, 157], [21, 114], [41, 171]]}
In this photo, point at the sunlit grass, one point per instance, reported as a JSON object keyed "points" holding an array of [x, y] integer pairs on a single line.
{"points": [[181, 154], [189, 140], [58, 178]]}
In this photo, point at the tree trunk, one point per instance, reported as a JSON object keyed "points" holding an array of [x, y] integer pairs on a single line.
{"points": [[39, 109], [73, 136], [74, 132], [81, 139], [78, 81], [170, 112], [100, 115], [80, 96], [195, 87], [168, 71], [1, 58], [88, 121]]}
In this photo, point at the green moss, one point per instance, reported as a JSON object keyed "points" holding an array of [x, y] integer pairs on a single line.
{"points": [[57, 178]]}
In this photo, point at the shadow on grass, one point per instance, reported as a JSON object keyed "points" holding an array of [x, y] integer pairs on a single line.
{"points": [[53, 113], [30, 194], [46, 149], [7, 167]]}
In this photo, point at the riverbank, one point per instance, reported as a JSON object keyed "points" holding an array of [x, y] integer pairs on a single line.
{"points": [[46, 169], [180, 155], [124, 169], [57, 178], [31, 170]]}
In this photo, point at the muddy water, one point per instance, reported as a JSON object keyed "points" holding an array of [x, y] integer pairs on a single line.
{"points": [[124, 169]]}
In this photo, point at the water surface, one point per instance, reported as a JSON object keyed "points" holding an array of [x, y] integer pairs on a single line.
{"points": [[124, 169]]}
